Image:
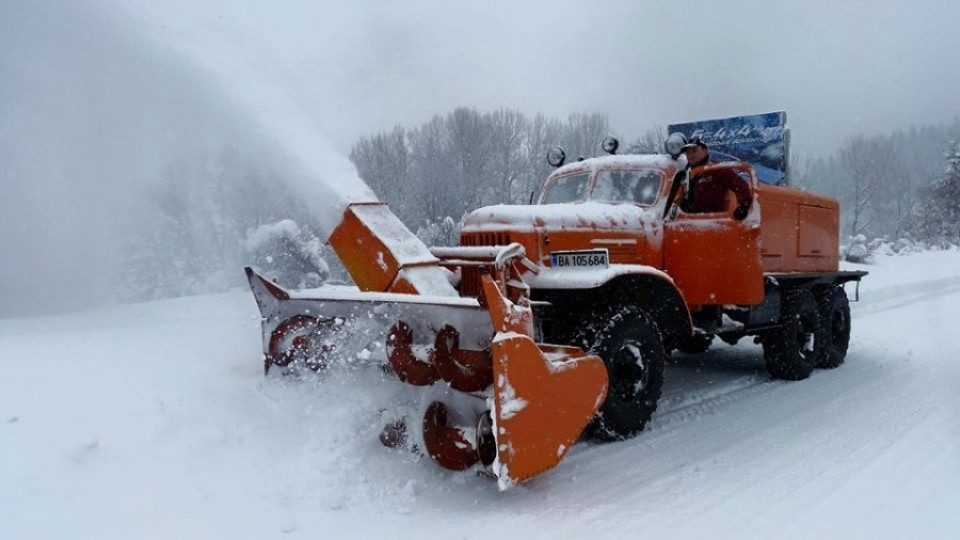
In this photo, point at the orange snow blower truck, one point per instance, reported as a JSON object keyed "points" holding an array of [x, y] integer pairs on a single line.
{"points": [[552, 321]]}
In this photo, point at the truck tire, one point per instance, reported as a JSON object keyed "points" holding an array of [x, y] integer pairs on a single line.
{"points": [[632, 350], [791, 351], [835, 320]]}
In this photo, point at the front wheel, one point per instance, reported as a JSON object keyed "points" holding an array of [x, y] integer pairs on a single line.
{"points": [[632, 350]]}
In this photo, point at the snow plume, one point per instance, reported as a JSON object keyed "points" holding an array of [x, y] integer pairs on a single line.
{"points": [[269, 89], [125, 156]]}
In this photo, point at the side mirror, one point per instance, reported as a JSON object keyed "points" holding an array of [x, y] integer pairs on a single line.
{"points": [[674, 144]]}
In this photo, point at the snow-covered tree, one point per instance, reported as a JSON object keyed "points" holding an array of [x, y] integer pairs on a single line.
{"points": [[445, 232], [938, 214], [289, 254]]}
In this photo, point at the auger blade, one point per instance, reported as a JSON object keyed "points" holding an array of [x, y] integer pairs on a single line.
{"points": [[426, 314]]}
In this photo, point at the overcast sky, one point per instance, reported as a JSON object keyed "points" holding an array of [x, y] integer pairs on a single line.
{"points": [[837, 68], [99, 97]]}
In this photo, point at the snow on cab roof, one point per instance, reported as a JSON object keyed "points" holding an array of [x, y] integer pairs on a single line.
{"points": [[659, 161], [570, 216]]}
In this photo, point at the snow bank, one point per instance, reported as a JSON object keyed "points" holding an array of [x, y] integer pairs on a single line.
{"points": [[904, 271]]}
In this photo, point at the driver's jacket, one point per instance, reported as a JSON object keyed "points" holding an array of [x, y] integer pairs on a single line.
{"points": [[708, 192]]}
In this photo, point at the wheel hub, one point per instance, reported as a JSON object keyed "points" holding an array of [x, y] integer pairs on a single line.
{"points": [[628, 373]]}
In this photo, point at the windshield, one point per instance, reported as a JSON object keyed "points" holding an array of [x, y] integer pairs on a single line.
{"points": [[567, 189], [639, 187]]}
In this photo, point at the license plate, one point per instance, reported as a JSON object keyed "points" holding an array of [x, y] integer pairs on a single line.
{"points": [[579, 259]]}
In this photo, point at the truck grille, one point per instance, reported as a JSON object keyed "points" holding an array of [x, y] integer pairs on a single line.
{"points": [[470, 275], [485, 239]]}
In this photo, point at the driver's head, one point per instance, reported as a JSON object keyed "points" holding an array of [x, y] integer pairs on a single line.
{"points": [[697, 152]]}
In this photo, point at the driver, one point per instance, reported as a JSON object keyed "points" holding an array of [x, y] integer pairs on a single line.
{"points": [[708, 191]]}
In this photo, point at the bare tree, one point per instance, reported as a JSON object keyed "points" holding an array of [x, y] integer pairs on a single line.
{"points": [[433, 191], [469, 148], [508, 131], [383, 161], [650, 142], [858, 159], [582, 134], [542, 133]]}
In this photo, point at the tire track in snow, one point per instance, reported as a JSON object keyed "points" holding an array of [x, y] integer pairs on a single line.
{"points": [[682, 408], [677, 408], [895, 297]]}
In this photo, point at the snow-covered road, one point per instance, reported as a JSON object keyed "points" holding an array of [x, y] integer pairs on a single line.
{"points": [[154, 421]]}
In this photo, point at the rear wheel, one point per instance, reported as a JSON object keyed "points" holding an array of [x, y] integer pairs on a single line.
{"points": [[791, 351], [632, 350], [835, 321]]}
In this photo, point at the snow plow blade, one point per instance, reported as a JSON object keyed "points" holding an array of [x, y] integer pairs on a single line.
{"points": [[541, 404], [511, 406]]}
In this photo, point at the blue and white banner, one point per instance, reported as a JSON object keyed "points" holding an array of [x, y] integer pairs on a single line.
{"points": [[761, 140]]}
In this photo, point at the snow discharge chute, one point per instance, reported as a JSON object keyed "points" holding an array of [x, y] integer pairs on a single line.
{"points": [[524, 403]]}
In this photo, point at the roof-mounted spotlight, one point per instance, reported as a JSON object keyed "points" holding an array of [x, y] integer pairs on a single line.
{"points": [[556, 156], [610, 144], [674, 144]]}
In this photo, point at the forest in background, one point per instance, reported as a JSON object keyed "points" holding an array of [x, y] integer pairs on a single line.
{"points": [[899, 188], [214, 214]]}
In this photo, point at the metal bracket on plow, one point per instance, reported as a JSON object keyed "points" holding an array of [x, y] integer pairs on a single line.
{"points": [[541, 406]]}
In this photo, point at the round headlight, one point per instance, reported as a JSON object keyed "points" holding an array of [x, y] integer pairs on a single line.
{"points": [[610, 144], [674, 144], [556, 156]]}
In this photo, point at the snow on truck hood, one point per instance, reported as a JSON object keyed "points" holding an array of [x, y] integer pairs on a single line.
{"points": [[582, 215]]}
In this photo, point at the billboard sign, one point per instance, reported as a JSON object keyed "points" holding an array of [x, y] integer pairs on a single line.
{"points": [[761, 140]]}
